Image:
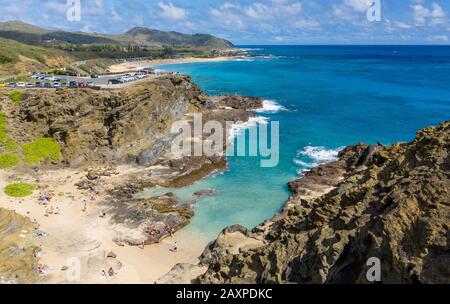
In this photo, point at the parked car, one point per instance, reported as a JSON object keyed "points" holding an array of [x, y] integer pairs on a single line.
{"points": [[48, 85], [94, 76], [2, 84], [21, 84], [63, 84], [29, 85], [115, 81], [90, 84], [73, 84], [56, 84], [38, 84], [82, 85], [12, 84]]}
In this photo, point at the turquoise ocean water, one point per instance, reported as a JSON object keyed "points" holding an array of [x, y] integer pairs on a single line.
{"points": [[325, 97]]}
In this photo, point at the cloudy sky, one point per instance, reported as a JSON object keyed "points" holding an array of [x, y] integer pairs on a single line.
{"points": [[251, 21]]}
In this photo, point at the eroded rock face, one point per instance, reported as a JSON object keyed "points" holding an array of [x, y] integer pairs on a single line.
{"points": [[130, 125], [392, 203], [16, 249]]}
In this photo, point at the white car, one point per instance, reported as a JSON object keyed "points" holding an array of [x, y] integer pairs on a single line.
{"points": [[21, 84]]}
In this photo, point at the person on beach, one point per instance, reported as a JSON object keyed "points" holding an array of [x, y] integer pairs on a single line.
{"points": [[111, 272], [174, 248]]}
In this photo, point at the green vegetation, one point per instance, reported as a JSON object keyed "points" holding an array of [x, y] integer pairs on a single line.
{"points": [[20, 189], [8, 142], [8, 160], [10, 52], [16, 96], [3, 127], [135, 37], [24, 47], [40, 150]]}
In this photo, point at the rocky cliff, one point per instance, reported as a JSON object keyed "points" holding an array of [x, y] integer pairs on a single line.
{"points": [[101, 126], [100, 130], [391, 203], [131, 125]]}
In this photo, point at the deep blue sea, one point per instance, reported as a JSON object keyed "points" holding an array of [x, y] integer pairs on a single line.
{"points": [[325, 97]]}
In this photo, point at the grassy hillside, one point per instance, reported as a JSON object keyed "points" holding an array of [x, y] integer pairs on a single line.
{"points": [[27, 48], [30, 34], [145, 36], [16, 57]]}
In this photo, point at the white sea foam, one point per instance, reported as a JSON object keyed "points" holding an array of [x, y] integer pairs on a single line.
{"points": [[270, 106], [250, 50], [245, 59], [253, 122], [312, 156]]}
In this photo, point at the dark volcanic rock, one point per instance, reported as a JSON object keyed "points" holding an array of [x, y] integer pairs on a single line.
{"points": [[206, 192], [392, 203]]}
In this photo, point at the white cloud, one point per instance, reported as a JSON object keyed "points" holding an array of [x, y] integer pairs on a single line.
{"points": [[268, 16], [402, 25], [172, 12], [434, 15], [257, 11], [358, 5], [351, 9], [115, 15], [438, 38]]}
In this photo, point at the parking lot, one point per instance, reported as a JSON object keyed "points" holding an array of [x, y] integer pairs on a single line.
{"points": [[103, 81]]}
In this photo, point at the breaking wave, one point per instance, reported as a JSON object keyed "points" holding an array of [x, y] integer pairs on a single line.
{"points": [[270, 106], [237, 129], [313, 156]]}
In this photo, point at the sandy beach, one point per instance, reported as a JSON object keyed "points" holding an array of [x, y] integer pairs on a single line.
{"points": [[132, 65], [87, 239]]}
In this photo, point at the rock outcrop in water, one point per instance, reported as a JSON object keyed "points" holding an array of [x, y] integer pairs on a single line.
{"points": [[392, 203]]}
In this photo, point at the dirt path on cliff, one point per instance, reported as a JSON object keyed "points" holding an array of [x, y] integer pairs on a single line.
{"points": [[76, 237]]}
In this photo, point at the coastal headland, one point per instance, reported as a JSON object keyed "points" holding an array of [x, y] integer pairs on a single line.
{"points": [[84, 212]]}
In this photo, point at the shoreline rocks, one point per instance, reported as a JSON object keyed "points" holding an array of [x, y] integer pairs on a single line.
{"points": [[391, 203]]}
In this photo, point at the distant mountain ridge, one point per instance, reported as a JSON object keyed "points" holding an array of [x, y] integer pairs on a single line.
{"points": [[30, 34], [146, 36]]}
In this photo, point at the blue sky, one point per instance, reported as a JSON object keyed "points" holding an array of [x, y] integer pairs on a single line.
{"points": [[251, 21]]}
